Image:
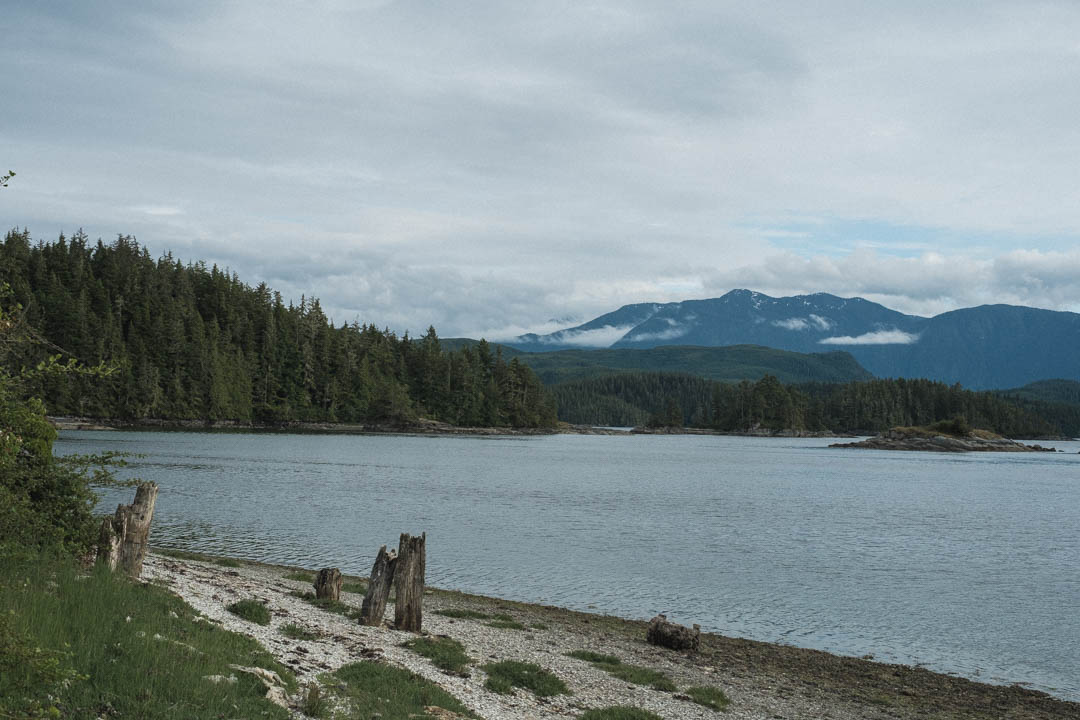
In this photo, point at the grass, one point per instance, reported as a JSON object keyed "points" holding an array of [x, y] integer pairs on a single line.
{"points": [[710, 697], [445, 653], [359, 587], [463, 614], [619, 713], [300, 575], [334, 606], [295, 632], [187, 555], [506, 622], [314, 703], [250, 610], [87, 646], [630, 673], [504, 676], [370, 689]]}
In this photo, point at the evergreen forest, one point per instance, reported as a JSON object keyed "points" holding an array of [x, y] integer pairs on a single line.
{"points": [[665, 399], [188, 342]]}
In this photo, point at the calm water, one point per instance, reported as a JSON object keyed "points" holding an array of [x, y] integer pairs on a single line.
{"points": [[964, 563]]}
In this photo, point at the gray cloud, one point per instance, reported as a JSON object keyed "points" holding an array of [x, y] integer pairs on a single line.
{"points": [[487, 166], [878, 337]]}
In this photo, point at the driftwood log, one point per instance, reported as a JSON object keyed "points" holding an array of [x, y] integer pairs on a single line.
{"points": [[669, 635], [378, 589], [409, 582], [124, 536], [328, 584]]}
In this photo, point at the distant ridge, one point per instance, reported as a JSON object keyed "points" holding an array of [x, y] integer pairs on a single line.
{"points": [[729, 364], [991, 346]]}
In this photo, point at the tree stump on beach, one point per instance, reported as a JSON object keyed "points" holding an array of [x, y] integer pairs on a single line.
{"points": [[669, 635], [328, 584], [378, 589], [124, 536], [409, 582]]}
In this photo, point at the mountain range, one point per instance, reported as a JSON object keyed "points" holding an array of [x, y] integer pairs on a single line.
{"points": [[990, 346]]}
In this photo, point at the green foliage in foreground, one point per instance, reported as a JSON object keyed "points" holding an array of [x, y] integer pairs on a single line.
{"points": [[504, 676], [250, 610], [630, 673], [710, 697], [75, 645], [443, 652], [619, 713], [367, 688]]}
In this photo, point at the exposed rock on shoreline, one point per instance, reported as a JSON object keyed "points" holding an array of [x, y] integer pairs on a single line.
{"points": [[918, 439]]}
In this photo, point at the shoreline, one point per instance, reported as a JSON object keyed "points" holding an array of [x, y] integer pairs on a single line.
{"points": [[420, 427], [763, 680]]}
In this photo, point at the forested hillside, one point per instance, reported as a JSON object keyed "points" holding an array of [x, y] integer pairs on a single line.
{"points": [[869, 406], [195, 343]]}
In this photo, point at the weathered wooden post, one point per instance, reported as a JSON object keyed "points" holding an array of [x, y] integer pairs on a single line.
{"points": [[409, 582], [328, 584], [125, 536], [378, 589]]}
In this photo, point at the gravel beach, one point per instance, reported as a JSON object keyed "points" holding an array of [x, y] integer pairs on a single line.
{"points": [[762, 680]]}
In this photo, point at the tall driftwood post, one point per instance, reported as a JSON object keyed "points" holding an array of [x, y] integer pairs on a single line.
{"points": [[328, 584], [409, 582], [125, 536], [378, 589]]}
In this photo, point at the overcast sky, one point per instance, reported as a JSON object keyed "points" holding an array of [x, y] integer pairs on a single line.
{"points": [[488, 167]]}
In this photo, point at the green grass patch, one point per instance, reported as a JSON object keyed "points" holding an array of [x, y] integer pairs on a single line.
{"points": [[630, 673], [619, 713], [711, 697], [300, 575], [295, 632], [539, 626], [334, 606], [504, 676], [445, 653], [80, 646], [506, 624], [463, 614], [251, 610], [358, 587], [594, 657], [315, 703], [367, 688]]}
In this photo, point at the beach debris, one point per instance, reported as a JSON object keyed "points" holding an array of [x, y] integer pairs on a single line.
{"points": [[670, 635], [409, 582], [124, 536], [378, 590], [405, 570], [328, 584]]}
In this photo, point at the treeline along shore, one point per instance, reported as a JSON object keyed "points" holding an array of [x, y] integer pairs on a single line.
{"points": [[194, 343], [188, 345]]}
